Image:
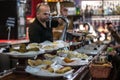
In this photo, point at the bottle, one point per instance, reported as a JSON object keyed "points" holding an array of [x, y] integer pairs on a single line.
{"points": [[77, 10], [58, 7]]}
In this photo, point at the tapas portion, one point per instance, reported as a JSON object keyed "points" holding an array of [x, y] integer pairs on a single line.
{"points": [[23, 50], [72, 58], [47, 68]]}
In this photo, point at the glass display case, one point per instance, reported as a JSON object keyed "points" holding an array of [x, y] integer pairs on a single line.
{"points": [[21, 6]]}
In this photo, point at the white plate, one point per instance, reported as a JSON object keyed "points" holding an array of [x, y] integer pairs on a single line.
{"points": [[77, 62], [26, 54], [39, 72]]}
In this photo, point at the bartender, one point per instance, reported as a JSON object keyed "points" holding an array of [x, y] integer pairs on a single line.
{"points": [[40, 30]]}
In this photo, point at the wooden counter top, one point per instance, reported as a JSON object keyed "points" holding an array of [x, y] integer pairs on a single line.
{"points": [[79, 73], [27, 77]]}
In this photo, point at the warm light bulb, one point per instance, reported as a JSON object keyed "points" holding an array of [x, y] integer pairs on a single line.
{"points": [[81, 27], [45, 0], [95, 40], [49, 0]]}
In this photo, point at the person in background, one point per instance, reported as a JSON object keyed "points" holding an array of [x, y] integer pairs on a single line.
{"points": [[41, 29], [114, 56], [86, 26]]}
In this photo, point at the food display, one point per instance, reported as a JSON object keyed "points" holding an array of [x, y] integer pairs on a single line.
{"points": [[24, 50], [39, 62], [63, 70], [72, 54], [60, 63], [49, 56], [47, 68], [47, 62], [60, 43], [60, 70], [34, 62], [72, 58], [49, 47], [67, 60], [34, 45], [72, 61], [78, 55]]}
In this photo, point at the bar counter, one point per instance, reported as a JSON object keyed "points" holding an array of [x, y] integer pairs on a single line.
{"points": [[79, 73]]}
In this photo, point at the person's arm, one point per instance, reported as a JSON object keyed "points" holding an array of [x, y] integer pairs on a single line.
{"points": [[114, 33], [59, 21], [115, 56], [54, 23], [116, 46]]}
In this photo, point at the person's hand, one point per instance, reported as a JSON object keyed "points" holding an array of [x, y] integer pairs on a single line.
{"points": [[112, 53], [117, 46]]}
